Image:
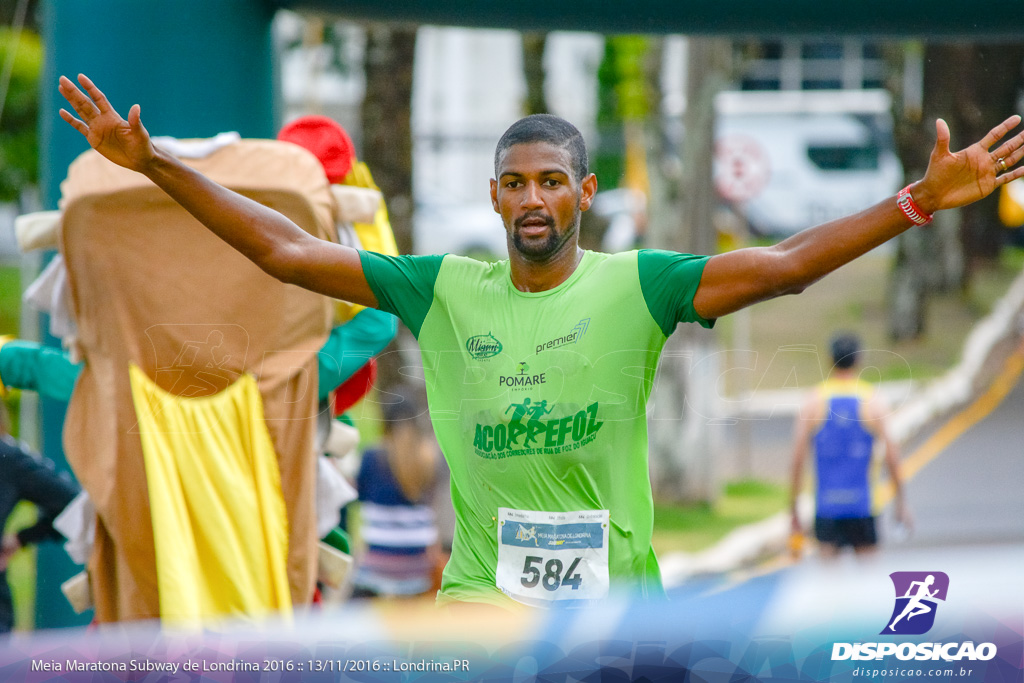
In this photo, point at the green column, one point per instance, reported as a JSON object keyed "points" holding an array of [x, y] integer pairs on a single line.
{"points": [[197, 68]]}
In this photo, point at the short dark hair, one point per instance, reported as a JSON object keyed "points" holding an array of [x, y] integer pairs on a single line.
{"points": [[546, 128], [845, 349]]}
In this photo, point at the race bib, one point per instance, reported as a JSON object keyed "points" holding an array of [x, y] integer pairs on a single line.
{"points": [[544, 557]]}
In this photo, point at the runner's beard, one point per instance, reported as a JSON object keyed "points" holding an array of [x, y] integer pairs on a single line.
{"points": [[544, 250]]}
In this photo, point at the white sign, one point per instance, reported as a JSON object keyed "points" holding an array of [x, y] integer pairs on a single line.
{"points": [[741, 168]]}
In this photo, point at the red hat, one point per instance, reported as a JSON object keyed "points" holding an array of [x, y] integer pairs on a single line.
{"points": [[327, 140]]}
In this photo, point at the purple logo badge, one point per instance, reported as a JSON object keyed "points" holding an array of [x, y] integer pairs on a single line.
{"points": [[917, 596]]}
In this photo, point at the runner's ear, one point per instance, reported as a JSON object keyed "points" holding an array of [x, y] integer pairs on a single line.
{"points": [[494, 196], [588, 188]]}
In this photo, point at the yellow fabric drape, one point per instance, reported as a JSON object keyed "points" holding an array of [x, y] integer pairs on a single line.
{"points": [[377, 236], [219, 519]]}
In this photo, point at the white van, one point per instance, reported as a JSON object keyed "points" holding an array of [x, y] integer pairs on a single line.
{"points": [[788, 160]]}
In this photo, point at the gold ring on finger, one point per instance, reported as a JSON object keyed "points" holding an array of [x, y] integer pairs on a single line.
{"points": [[1001, 162]]}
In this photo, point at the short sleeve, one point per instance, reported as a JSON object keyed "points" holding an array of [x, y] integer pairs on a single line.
{"points": [[669, 282], [403, 285]]}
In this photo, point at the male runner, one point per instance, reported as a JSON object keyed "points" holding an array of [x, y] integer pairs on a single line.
{"points": [[843, 419], [584, 486]]}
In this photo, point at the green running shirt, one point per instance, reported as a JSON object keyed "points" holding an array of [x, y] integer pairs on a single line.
{"points": [[538, 401]]}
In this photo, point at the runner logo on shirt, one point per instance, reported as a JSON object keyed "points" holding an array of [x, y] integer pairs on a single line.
{"points": [[528, 433], [483, 346]]}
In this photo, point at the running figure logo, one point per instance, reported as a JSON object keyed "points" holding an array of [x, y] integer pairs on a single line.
{"points": [[524, 534], [916, 596], [534, 425]]}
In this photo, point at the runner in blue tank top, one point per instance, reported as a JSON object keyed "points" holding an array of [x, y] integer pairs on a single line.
{"points": [[843, 420]]}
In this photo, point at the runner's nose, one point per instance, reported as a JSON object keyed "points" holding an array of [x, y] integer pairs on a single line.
{"points": [[531, 197]]}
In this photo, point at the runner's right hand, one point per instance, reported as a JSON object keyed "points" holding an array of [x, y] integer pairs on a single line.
{"points": [[126, 143]]}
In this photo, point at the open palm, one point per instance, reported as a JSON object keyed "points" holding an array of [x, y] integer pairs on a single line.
{"points": [[125, 142], [966, 176]]}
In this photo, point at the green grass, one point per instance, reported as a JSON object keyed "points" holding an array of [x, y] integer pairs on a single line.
{"points": [[694, 528], [21, 572], [10, 323], [10, 299], [1012, 258], [12, 401]]}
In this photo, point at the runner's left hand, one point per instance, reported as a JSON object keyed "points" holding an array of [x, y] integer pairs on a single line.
{"points": [[957, 178]]}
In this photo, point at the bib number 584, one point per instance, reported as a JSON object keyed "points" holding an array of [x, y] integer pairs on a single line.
{"points": [[553, 578]]}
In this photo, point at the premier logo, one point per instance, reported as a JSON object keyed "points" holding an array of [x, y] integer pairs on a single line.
{"points": [[572, 337], [917, 596]]}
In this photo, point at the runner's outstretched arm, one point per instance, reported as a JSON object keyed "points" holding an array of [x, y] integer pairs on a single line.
{"points": [[266, 237], [740, 278]]}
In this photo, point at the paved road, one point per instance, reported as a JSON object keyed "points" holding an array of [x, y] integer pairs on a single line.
{"points": [[971, 493]]}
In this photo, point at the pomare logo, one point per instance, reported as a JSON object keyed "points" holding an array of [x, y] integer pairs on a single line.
{"points": [[483, 346]]}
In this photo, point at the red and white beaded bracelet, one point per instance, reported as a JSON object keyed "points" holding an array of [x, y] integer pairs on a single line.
{"points": [[910, 208]]}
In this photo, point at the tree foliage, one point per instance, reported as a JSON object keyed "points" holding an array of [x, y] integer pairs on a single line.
{"points": [[19, 145], [624, 97]]}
